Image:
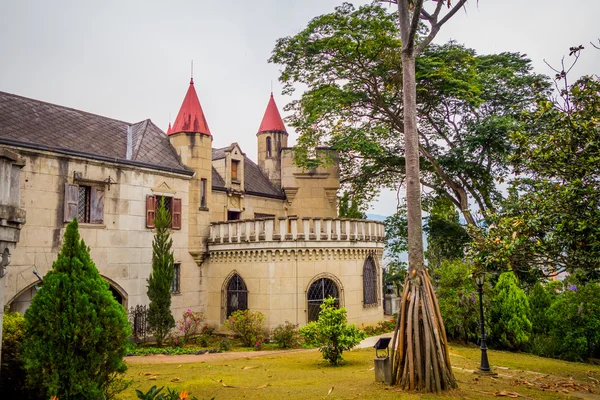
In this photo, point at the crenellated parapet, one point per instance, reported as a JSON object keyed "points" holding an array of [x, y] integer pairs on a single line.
{"points": [[325, 233]]}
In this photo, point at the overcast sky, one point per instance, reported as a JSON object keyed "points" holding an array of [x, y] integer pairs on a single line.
{"points": [[130, 60]]}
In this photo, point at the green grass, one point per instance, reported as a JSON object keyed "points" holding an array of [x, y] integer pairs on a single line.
{"points": [[305, 375]]}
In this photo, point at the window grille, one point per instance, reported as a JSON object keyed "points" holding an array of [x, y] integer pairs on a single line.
{"points": [[369, 282], [318, 291], [83, 204], [175, 285], [237, 295]]}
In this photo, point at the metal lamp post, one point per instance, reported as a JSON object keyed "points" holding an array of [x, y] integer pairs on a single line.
{"points": [[485, 364]]}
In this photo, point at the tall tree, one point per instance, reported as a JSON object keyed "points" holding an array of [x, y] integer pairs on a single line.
{"points": [[467, 104], [160, 319], [76, 333]]}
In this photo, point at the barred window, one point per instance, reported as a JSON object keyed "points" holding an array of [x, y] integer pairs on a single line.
{"points": [[175, 285], [237, 295], [319, 291], [369, 282]]}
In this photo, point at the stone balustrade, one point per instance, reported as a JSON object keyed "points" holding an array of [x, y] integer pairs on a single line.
{"points": [[288, 229]]}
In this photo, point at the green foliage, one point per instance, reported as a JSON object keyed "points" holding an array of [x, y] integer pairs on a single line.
{"points": [[508, 316], [349, 207], [349, 61], [160, 319], [12, 370], [331, 332], [458, 300], [381, 327], [576, 322], [154, 394], [446, 237], [189, 324], [247, 326], [76, 333], [540, 301], [551, 220], [225, 345], [285, 335]]}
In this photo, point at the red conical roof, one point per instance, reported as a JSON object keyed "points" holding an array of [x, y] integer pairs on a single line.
{"points": [[190, 117], [272, 119], [169, 129]]}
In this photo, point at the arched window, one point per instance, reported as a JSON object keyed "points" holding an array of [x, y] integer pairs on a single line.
{"points": [[237, 295], [369, 283], [269, 150], [318, 291]]}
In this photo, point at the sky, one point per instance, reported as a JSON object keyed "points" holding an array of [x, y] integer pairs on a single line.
{"points": [[130, 59]]}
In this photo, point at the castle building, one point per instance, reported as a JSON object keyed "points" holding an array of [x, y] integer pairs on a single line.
{"points": [[259, 235]]}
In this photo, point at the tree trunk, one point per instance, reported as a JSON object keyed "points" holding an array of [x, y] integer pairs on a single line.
{"points": [[421, 360]]}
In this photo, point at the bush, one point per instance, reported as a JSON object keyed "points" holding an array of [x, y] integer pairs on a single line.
{"points": [[458, 302], [575, 324], [225, 345], [508, 317], [154, 394], [12, 370], [285, 335], [76, 333], [189, 324], [331, 333], [247, 326]]}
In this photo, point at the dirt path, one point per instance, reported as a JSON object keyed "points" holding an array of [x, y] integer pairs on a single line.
{"points": [[200, 358]]}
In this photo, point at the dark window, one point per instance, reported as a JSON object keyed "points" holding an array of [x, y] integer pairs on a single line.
{"points": [[369, 282], [172, 205], [261, 215], [237, 295], [318, 291], [175, 285], [202, 193], [84, 202], [233, 215], [234, 169], [269, 150]]}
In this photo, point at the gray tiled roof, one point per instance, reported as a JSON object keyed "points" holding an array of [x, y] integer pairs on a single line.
{"points": [[255, 182], [36, 123]]}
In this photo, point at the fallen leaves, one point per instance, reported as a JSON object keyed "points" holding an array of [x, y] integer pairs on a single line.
{"points": [[330, 391]]}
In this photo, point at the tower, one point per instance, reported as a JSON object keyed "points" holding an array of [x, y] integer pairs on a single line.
{"points": [[272, 137], [192, 139]]}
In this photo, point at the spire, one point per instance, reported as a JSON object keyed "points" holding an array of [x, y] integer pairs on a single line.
{"points": [[170, 129], [272, 119], [190, 117]]}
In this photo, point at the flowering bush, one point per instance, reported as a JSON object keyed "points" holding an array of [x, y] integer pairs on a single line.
{"points": [[247, 326], [285, 335], [189, 324]]}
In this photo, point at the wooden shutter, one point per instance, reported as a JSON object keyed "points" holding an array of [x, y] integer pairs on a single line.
{"points": [[150, 211], [176, 214], [96, 205], [71, 202], [234, 170]]}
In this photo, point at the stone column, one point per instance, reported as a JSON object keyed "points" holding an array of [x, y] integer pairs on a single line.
{"points": [[11, 216]]}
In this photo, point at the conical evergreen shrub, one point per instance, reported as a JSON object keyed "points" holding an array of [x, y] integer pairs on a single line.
{"points": [[76, 333], [160, 319]]}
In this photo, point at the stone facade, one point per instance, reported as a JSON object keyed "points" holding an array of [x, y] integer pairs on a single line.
{"points": [[260, 235]]}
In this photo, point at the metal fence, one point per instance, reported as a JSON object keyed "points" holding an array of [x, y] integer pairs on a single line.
{"points": [[138, 318]]}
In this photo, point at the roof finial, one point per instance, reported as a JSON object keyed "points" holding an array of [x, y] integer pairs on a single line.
{"points": [[192, 74], [271, 87]]}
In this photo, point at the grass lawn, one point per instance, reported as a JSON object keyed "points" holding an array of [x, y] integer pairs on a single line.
{"points": [[305, 375]]}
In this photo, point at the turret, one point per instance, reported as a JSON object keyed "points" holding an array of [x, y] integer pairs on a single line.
{"points": [[272, 137], [192, 139]]}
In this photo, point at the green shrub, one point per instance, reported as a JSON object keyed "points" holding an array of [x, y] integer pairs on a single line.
{"points": [[76, 333], [189, 324], [225, 345], [331, 333], [285, 335], [508, 317], [12, 370], [247, 326], [576, 322], [160, 319], [155, 394], [458, 301], [203, 340]]}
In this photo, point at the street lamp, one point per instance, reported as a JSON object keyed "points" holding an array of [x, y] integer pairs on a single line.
{"points": [[485, 364]]}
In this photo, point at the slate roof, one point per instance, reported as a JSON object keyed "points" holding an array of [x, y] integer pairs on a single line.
{"points": [[255, 182], [36, 124]]}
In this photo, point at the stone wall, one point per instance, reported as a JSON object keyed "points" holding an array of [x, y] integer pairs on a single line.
{"points": [[121, 246]]}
